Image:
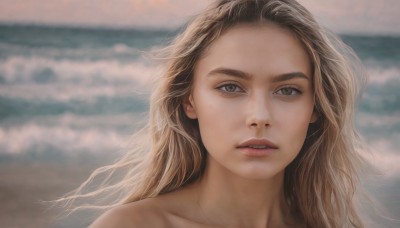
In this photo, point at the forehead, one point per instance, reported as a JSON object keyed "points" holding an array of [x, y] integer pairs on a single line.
{"points": [[262, 47]]}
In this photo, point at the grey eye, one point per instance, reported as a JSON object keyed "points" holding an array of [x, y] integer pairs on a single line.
{"points": [[288, 91], [230, 88]]}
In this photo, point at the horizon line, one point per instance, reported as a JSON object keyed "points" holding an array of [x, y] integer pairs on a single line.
{"points": [[158, 28]]}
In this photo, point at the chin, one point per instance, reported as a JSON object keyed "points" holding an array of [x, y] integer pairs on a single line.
{"points": [[260, 172]]}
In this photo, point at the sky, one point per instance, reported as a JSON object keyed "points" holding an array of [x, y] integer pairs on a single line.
{"points": [[344, 16]]}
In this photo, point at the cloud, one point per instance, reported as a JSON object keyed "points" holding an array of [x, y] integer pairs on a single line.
{"points": [[359, 16], [153, 13]]}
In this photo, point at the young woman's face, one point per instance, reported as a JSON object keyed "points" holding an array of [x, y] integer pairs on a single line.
{"points": [[253, 98]]}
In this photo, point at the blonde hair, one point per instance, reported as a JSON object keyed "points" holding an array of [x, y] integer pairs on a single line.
{"points": [[319, 184]]}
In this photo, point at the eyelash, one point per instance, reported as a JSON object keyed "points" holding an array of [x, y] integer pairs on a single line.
{"points": [[293, 91], [221, 88]]}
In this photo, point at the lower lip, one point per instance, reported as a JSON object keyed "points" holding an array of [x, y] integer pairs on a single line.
{"points": [[252, 152]]}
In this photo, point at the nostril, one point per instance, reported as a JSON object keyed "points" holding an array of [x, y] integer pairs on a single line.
{"points": [[259, 124]]}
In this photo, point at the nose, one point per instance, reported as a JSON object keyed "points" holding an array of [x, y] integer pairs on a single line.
{"points": [[258, 112]]}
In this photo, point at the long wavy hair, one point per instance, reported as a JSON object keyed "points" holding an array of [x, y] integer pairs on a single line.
{"points": [[319, 185]]}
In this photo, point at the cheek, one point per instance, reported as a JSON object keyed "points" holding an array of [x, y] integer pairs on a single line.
{"points": [[293, 122], [213, 110], [215, 118], [218, 121], [212, 129]]}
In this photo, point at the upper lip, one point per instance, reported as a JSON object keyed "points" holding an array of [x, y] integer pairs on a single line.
{"points": [[258, 142]]}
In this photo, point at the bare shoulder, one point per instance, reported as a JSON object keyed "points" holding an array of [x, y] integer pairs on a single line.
{"points": [[144, 213], [167, 210]]}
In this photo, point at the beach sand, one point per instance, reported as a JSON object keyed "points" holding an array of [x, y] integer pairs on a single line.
{"points": [[23, 185]]}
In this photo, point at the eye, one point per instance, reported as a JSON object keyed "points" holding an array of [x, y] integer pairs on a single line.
{"points": [[288, 91], [230, 88]]}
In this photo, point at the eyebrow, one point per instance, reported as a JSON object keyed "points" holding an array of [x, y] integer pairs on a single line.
{"points": [[244, 75], [230, 72], [288, 76]]}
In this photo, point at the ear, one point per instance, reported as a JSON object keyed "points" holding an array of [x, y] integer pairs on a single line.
{"points": [[314, 117], [189, 107]]}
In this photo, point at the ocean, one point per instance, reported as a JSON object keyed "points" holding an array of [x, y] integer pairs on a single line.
{"points": [[71, 92]]}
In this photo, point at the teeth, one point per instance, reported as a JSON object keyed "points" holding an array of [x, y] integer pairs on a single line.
{"points": [[258, 147]]}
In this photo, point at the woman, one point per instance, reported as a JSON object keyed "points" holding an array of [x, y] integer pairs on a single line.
{"points": [[251, 126]]}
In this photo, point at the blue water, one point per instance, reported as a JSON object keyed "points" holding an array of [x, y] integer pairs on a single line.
{"points": [[66, 90], [69, 91], [74, 86], [89, 83]]}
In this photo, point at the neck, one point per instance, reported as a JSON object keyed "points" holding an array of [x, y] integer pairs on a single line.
{"points": [[227, 199]]}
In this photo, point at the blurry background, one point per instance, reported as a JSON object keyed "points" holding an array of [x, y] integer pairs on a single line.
{"points": [[74, 84]]}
